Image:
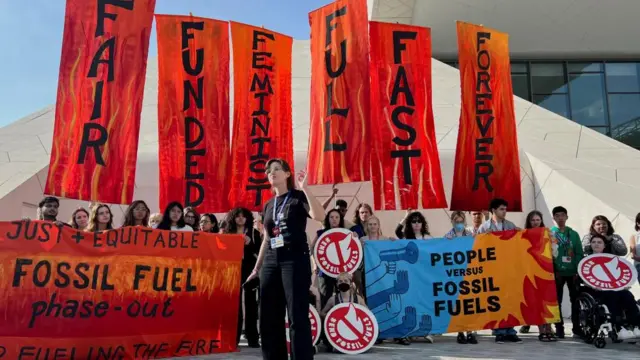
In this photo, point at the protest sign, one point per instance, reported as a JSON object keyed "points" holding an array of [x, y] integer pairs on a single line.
{"points": [[607, 272], [337, 251], [351, 328], [490, 281], [133, 292]]}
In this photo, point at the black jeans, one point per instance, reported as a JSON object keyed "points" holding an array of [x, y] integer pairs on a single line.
{"points": [[573, 296], [250, 312], [284, 284]]}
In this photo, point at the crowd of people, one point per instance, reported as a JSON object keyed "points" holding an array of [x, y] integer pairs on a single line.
{"points": [[278, 267]]}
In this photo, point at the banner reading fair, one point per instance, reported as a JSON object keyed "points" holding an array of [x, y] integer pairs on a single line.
{"points": [[193, 111], [406, 167], [262, 123], [130, 293], [100, 85], [339, 151], [489, 281], [487, 164]]}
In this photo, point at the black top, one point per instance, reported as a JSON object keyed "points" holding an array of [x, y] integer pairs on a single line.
{"points": [[293, 225], [253, 248]]}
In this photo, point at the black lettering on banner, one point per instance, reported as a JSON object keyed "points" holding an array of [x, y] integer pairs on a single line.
{"points": [[194, 192], [483, 167], [260, 116], [151, 351], [198, 347], [165, 279], [333, 74], [43, 273]]}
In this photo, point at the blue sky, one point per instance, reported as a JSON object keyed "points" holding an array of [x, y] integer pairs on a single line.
{"points": [[31, 38]]}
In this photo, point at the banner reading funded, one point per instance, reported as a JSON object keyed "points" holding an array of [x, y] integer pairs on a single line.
{"points": [[441, 286], [406, 168], [487, 164], [262, 123], [128, 293], [193, 111], [339, 149], [100, 85]]}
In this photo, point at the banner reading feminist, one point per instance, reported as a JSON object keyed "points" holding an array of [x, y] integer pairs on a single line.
{"points": [[405, 168], [262, 123], [100, 85], [130, 293], [487, 164], [489, 281], [193, 111], [338, 134]]}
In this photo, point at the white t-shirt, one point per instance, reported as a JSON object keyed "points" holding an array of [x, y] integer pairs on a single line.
{"points": [[175, 228]]}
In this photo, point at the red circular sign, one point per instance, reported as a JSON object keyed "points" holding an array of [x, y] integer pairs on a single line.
{"points": [[316, 323], [607, 272], [338, 251], [351, 328]]}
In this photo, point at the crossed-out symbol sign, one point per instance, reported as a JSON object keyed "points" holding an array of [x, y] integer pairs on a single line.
{"points": [[337, 251], [607, 272], [351, 328]]}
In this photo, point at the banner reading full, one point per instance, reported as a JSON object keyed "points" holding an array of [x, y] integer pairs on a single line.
{"points": [[100, 85], [262, 124], [339, 145], [193, 111], [439, 286], [130, 293], [406, 168], [487, 163]]}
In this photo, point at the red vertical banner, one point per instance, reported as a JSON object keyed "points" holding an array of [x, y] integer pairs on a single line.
{"points": [[100, 86], [338, 135], [487, 163], [262, 123], [193, 111], [405, 169]]}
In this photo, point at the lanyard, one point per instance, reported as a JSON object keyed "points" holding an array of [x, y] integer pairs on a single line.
{"points": [[276, 220]]}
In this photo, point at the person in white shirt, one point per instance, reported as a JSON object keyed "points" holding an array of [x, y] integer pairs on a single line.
{"points": [[173, 218]]}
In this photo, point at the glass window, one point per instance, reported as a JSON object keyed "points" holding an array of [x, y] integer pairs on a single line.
{"points": [[584, 67], [622, 77], [588, 99], [548, 78], [559, 103], [624, 109], [601, 129], [520, 85], [519, 68]]}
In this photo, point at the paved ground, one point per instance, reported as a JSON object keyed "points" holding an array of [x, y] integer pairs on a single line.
{"points": [[446, 348]]}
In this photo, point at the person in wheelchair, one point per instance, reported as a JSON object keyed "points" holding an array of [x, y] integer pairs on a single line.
{"points": [[621, 305]]}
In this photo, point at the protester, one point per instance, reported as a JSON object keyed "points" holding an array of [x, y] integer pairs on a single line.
{"points": [[209, 223], [240, 221], [326, 284], [192, 218], [601, 225], [48, 209], [363, 211], [415, 227], [173, 218], [634, 245], [340, 205], [100, 219], [137, 214], [498, 222], [565, 265], [334, 192], [285, 264], [154, 220], [80, 219], [373, 230], [477, 218]]}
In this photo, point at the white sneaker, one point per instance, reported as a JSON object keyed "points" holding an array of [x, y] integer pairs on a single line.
{"points": [[625, 334], [636, 332], [429, 339]]}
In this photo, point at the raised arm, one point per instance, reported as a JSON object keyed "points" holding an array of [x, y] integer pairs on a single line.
{"points": [[327, 202], [316, 211]]}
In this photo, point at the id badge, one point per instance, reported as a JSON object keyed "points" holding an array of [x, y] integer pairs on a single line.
{"points": [[566, 259], [277, 242]]}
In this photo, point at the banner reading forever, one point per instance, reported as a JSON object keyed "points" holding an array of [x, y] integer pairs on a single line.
{"points": [[487, 163], [132, 293], [262, 124], [193, 111], [100, 85], [338, 133], [441, 286], [406, 167]]}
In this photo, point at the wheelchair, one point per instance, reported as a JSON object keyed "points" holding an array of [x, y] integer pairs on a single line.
{"points": [[596, 322]]}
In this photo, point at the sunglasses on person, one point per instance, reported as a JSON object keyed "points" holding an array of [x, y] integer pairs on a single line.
{"points": [[416, 221]]}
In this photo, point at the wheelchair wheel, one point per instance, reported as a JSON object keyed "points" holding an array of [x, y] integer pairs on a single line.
{"points": [[588, 317], [600, 342]]}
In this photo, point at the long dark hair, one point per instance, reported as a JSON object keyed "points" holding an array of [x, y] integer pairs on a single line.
{"points": [[527, 223], [230, 221], [356, 217], [215, 228], [286, 168], [408, 229], [327, 224], [196, 217], [165, 224], [610, 229], [637, 221], [129, 220]]}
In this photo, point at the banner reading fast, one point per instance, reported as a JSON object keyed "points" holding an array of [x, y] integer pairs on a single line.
{"points": [[441, 286], [133, 293], [100, 85], [339, 151], [406, 168], [487, 164], [193, 111], [262, 123]]}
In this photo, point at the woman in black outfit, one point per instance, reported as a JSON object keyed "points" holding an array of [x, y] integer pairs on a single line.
{"points": [[240, 221], [285, 265], [327, 284]]}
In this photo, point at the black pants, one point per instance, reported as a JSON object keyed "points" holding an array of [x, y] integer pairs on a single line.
{"points": [[326, 288], [619, 303], [573, 296], [250, 315], [285, 282]]}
